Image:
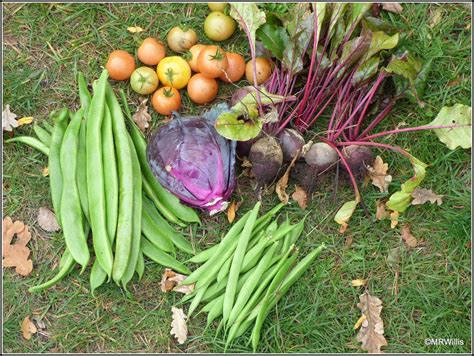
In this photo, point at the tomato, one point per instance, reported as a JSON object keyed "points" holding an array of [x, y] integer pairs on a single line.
{"points": [[264, 70], [235, 70], [180, 40], [165, 100], [192, 56], [217, 6], [120, 65], [212, 60], [174, 71], [151, 52], [144, 80], [202, 89], [218, 26]]}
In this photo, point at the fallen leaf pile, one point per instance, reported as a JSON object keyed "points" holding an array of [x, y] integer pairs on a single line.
{"points": [[422, 196], [371, 331], [47, 220], [179, 329], [142, 117], [170, 281], [15, 254]]}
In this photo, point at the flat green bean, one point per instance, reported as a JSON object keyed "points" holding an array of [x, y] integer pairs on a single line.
{"points": [[48, 126], [97, 276], [161, 257], [84, 94], [32, 142], [95, 178], [67, 265], [43, 135], [140, 267], [70, 206], [154, 233], [82, 170]]}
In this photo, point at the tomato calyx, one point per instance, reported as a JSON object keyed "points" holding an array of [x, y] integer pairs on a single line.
{"points": [[170, 73], [168, 92], [219, 56]]}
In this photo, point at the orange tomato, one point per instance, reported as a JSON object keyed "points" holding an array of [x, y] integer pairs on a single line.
{"points": [[212, 60], [235, 70], [192, 56], [264, 70], [165, 100], [120, 65], [151, 52], [202, 89]]}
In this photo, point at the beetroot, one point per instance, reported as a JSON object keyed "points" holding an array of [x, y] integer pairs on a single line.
{"points": [[291, 143], [358, 158], [322, 156], [266, 157]]}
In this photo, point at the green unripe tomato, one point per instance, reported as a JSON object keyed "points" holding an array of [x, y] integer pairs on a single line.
{"points": [[218, 26], [144, 80]]}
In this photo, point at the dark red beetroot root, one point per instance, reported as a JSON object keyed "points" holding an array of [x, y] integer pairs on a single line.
{"points": [[291, 143], [358, 158], [266, 157], [243, 147], [305, 176]]}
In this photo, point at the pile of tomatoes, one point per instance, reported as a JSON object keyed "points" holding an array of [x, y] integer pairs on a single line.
{"points": [[208, 62]]}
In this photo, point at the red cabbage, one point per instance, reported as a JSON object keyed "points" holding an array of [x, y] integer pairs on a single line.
{"points": [[194, 162]]}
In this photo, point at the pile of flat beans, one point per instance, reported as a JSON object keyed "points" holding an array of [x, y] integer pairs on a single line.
{"points": [[243, 277], [101, 186]]}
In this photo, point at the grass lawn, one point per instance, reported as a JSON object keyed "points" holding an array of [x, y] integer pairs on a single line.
{"points": [[427, 296]]}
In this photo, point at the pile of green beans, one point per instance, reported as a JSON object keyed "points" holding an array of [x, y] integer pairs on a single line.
{"points": [[101, 184], [243, 277]]}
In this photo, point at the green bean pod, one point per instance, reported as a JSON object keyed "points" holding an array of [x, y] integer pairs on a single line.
{"points": [[293, 235], [154, 233], [70, 207], [176, 238], [161, 257], [43, 135], [125, 172], [237, 260], [67, 265], [224, 270], [110, 175], [82, 170], [140, 267], [84, 94], [32, 142], [204, 255], [252, 283], [137, 218], [95, 177], [97, 276], [197, 299], [48, 127], [54, 164]]}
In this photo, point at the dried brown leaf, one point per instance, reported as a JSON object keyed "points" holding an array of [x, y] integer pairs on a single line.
{"points": [[135, 29], [16, 254], [47, 220], [394, 7], [393, 257], [8, 119], [371, 331], [422, 196], [300, 196], [359, 282], [142, 117], [39, 322], [170, 282], [282, 183], [407, 237], [28, 328], [45, 171], [359, 322], [232, 209], [394, 219], [179, 329], [435, 17], [25, 120], [378, 174], [381, 213]]}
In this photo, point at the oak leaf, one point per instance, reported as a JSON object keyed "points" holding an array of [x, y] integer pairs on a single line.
{"points": [[179, 329], [378, 174], [381, 213], [47, 220], [8, 119], [16, 254], [28, 328], [394, 219], [407, 237], [371, 331], [422, 196], [142, 117], [170, 281], [394, 7], [300, 196]]}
